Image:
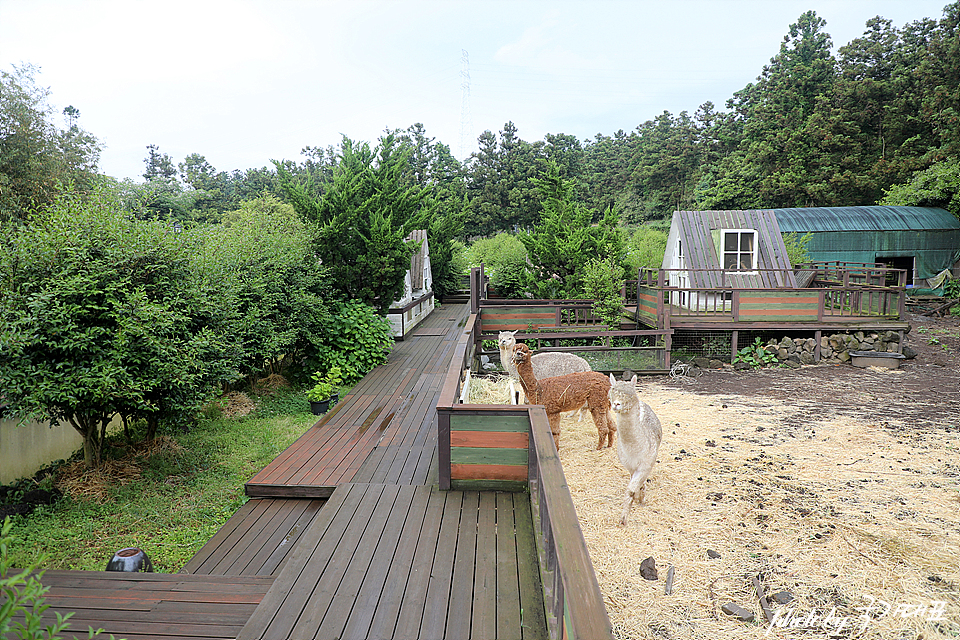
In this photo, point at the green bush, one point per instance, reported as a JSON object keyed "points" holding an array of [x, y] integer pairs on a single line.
{"points": [[645, 249], [797, 247], [356, 339], [603, 281]]}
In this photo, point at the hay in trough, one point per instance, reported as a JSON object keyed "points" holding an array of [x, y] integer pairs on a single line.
{"points": [[846, 516]]}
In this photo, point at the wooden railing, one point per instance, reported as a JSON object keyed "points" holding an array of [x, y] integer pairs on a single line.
{"points": [[835, 294], [573, 602], [572, 594]]}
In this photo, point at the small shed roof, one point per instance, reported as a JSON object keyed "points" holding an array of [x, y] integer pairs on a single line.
{"points": [[815, 219], [695, 229]]}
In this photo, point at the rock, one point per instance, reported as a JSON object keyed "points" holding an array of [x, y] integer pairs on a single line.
{"points": [[790, 364], [782, 354], [807, 358], [893, 347], [793, 357], [843, 356], [713, 555], [741, 366], [738, 612], [648, 569], [810, 345], [867, 346], [703, 363], [787, 344], [716, 364], [909, 353], [782, 597]]}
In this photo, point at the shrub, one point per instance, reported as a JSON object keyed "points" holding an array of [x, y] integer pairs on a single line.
{"points": [[356, 339], [645, 249], [603, 281]]}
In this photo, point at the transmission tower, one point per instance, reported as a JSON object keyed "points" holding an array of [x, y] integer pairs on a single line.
{"points": [[466, 122]]}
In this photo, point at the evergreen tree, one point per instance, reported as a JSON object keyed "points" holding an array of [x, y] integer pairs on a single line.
{"points": [[363, 219]]}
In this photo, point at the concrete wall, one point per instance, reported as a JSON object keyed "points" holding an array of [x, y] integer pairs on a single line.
{"points": [[25, 450]]}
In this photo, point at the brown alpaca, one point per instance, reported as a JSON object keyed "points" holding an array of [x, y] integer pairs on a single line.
{"points": [[567, 393]]}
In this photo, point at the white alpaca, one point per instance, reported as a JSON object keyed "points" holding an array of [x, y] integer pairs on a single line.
{"points": [[639, 440], [549, 364]]}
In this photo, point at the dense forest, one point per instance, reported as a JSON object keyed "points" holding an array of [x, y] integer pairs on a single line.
{"points": [[879, 121]]}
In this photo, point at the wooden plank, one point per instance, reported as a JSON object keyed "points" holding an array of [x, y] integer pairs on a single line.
{"points": [[489, 439], [195, 564], [347, 565], [277, 614], [533, 617], [486, 456], [411, 506], [463, 585], [484, 623], [488, 472], [428, 588], [408, 576], [508, 614], [465, 422]]}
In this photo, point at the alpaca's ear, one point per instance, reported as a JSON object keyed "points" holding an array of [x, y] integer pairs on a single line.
{"points": [[612, 379], [633, 380], [513, 333]]}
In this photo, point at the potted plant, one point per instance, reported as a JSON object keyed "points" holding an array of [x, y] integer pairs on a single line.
{"points": [[322, 392]]}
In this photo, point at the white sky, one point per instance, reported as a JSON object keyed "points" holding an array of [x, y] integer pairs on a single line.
{"points": [[246, 81]]}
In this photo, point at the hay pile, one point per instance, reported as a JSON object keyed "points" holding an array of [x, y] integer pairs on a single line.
{"points": [[836, 512], [94, 485]]}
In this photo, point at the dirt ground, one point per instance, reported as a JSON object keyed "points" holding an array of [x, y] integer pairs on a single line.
{"points": [[837, 487]]}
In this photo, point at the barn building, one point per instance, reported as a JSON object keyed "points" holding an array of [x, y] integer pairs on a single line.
{"points": [[921, 240]]}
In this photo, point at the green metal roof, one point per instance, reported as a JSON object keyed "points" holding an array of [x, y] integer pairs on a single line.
{"points": [[865, 219]]}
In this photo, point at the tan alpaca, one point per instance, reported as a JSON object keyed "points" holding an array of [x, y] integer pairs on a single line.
{"points": [[567, 393], [547, 364], [639, 440]]}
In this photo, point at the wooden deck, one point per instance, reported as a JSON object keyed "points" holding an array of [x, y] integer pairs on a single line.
{"points": [[142, 606], [346, 535], [409, 561], [384, 431]]}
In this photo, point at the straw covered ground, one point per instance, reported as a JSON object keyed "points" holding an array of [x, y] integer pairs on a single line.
{"points": [[857, 521]]}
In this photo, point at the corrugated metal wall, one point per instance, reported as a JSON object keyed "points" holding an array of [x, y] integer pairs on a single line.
{"points": [[865, 234]]}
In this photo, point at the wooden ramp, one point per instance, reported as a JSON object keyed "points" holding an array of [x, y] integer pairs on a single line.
{"points": [[151, 605], [390, 561], [382, 431]]}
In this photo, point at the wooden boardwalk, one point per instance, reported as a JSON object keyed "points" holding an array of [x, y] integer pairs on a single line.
{"points": [[142, 606], [383, 431], [346, 535]]}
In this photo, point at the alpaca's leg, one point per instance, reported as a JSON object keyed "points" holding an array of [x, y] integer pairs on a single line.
{"points": [[611, 428], [554, 419], [627, 503], [603, 430]]}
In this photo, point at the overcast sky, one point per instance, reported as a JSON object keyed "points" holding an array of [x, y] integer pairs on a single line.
{"points": [[244, 82]]}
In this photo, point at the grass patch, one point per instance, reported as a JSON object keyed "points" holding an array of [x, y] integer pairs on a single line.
{"points": [[168, 500]]}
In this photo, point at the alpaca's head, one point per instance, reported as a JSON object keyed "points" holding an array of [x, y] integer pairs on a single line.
{"points": [[623, 395], [506, 340], [521, 354]]}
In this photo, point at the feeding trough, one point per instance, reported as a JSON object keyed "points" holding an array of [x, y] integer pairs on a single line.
{"points": [[864, 359]]}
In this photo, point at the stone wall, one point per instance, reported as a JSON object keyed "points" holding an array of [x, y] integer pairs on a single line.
{"points": [[834, 348]]}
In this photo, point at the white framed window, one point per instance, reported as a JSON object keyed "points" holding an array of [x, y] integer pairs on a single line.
{"points": [[739, 249]]}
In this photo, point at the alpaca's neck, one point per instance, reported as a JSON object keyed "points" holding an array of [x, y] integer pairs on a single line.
{"points": [[528, 380], [628, 421], [506, 359]]}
